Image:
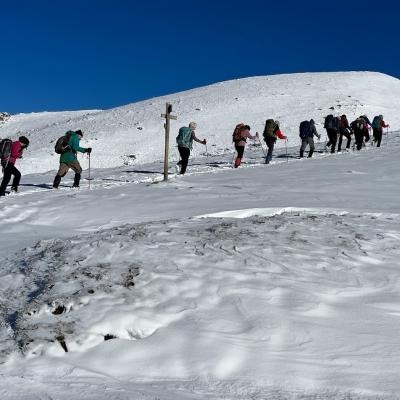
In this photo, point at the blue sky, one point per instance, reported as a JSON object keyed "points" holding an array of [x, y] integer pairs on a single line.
{"points": [[86, 54]]}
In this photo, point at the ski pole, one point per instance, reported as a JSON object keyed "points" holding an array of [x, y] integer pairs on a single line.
{"points": [[206, 151]]}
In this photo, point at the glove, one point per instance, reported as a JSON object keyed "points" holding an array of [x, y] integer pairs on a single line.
{"points": [[257, 134], [204, 141], [89, 150]]}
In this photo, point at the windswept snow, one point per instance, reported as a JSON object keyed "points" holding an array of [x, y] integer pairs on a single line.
{"points": [[263, 282]]}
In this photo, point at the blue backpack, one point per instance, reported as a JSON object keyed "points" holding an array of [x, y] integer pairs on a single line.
{"points": [[184, 138], [304, 129]]}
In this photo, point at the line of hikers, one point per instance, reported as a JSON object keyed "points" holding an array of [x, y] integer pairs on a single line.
{"points": [[69, 145]]}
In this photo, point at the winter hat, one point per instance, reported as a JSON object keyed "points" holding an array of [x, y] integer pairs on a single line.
{"points": [[312, 121], [24, 140], [79, 132], [193, 125]]}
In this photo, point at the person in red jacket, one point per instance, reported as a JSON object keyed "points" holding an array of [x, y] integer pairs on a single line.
{"points": [[8, 165]]}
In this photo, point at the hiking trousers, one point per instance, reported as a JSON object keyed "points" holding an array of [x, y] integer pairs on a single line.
{"points": [[332, 136], [377, 136], [62, 171], [270, 141], [9, 171], [184, 152], [309, 140], [240, 152], [346, 134]]}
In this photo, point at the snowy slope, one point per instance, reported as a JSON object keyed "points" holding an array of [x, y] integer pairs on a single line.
{"points": [[266, 282], [137, 129]]}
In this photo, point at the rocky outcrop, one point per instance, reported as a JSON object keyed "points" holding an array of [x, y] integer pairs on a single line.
{"points": [[4, 116]]}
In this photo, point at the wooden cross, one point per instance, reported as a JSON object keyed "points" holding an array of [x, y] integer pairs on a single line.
{"points": [[168, 117]]}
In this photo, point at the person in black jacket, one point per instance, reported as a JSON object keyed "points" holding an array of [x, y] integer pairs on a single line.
{"points": [[344, 130], [309, 139], [332, 129]]}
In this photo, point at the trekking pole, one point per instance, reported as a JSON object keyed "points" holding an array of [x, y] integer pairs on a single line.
{"points": [[287, 156], [262, 148], [89, 172]]}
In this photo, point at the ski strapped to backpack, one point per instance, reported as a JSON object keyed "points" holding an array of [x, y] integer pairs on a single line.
{"points": [[5, 151], [62, 145]]}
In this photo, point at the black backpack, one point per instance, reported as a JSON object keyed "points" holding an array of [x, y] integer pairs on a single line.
{"points": [[329, 122], [62, 145], [5, 151], [304, 129]]}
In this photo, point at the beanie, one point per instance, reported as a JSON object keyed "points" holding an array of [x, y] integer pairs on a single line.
{"points": [[24, 140]]}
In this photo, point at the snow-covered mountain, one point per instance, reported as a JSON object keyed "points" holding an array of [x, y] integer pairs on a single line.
{"points": [[136, 129]]}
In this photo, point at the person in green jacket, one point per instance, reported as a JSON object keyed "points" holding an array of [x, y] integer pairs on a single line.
{"points": [[69, 159]]}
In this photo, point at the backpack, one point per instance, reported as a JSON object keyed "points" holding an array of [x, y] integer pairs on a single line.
{"points": [[184, 137], [343, 122], [62, 145], [304, 129], [237, 133], [270, 126], [376, 123], [358, 125], [5, 151], [329, 122]]}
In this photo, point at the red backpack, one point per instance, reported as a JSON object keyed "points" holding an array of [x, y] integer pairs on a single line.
{"points": [[237, 133]]}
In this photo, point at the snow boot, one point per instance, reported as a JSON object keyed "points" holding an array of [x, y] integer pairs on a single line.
{"points": [[57, 181], [310, 153], [76, 180], [301, 153]]}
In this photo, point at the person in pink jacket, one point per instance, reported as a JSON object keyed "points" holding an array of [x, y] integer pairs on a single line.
{"points": [[8, 165], [240, 135]]}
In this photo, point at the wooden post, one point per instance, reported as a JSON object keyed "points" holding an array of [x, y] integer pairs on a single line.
{"points": [[168, 117]]}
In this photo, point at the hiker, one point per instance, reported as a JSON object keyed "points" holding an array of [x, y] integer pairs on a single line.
{"points": [[239, 137], [367, 127], [184, 140], [344, 130], [377, 129], [360, 129], [16, 150], [271, 133], [332, 129], [307, 132], [68, 158]]}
